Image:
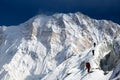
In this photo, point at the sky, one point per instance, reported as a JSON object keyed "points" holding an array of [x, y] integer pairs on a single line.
{"points": [[15, 12]]}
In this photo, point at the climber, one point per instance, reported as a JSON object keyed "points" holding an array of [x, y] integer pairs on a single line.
{"points": [[94, 44], [93, 52], [88, 66]]}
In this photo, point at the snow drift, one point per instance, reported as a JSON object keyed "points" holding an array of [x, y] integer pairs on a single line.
{"points": [[57, 47]]}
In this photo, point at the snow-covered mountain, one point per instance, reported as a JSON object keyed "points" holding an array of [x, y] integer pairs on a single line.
{"points": [[57, 47]]}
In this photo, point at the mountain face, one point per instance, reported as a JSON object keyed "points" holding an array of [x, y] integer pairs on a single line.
{"points": [[57, 47]]}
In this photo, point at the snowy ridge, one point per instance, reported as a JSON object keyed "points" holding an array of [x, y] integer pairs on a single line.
{"points": [[57, 47]]}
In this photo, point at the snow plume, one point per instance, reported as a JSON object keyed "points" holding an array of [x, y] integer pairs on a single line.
{"points": [[57, 47]]}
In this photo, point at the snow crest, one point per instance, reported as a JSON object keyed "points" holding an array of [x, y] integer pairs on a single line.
{"points": [[57, 47]]}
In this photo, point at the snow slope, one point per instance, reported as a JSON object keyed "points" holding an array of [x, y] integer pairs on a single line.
{"points": [[57, 47]]}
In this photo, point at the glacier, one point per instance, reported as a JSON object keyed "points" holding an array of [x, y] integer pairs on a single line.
{"points": [[57, 47]]}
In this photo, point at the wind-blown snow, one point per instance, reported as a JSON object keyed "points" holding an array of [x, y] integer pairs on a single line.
{"points": [[57, 47]]}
